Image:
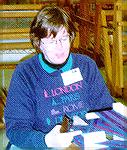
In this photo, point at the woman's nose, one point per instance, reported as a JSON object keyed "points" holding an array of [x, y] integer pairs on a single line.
{"points": [[59, 42]]}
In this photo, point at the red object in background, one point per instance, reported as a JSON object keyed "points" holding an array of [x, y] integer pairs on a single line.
{"points": [[3, 1]]}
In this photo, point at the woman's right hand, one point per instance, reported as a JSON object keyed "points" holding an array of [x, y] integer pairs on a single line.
{"points": [[55, 139]]}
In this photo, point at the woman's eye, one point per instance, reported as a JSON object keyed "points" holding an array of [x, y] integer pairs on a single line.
{"points": [[65, 38], [52, 42]]}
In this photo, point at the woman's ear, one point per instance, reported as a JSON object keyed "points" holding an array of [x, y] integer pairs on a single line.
{"points": [[41, 48], [72, 37]]}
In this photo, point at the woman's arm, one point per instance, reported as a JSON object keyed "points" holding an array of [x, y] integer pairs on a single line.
{"points": [[19, 114]]}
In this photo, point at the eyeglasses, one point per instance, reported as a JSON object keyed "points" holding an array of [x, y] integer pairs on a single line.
{"points": [[54, 42]]}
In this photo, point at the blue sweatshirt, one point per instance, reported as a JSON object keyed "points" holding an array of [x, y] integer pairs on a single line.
{"points": [[38, 99]]}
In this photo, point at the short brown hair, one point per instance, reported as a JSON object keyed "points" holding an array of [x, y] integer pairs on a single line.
{"points": [[50, 18]]}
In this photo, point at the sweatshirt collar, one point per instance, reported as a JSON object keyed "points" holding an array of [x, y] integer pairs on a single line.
{"points": [[49, 69]]}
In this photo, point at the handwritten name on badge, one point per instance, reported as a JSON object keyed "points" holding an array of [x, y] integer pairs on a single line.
{"points": [[71, 76]]}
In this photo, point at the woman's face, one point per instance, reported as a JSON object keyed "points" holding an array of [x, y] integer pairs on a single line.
{"points": [[56, 50]]}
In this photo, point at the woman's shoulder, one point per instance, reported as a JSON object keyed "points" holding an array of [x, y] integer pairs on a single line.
{"points": [[27, 66], [27, 62], [82, 58]]}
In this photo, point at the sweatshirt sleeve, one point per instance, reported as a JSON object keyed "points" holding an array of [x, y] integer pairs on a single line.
{"points": [[99, 95], [19, 114]]}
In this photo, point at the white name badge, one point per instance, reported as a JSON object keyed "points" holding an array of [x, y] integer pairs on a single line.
{"points": [[71, 76]]}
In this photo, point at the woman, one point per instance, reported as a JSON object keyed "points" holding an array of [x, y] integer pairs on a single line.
{"points": [[51, 84]]}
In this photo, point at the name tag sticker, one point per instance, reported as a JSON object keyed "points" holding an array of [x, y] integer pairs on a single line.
{"points": [[71, 76]]}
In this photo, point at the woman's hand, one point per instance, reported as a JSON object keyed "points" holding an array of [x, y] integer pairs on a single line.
{"points": [[55, 139]]}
